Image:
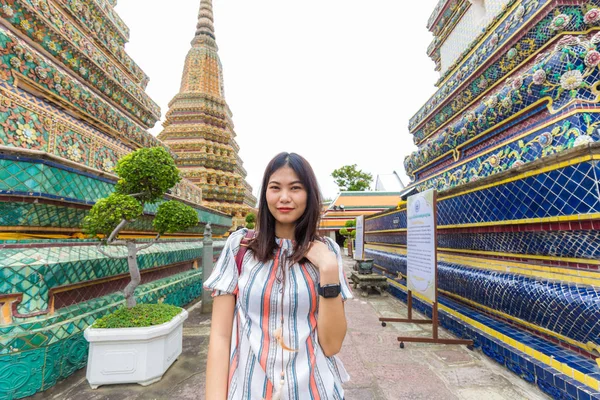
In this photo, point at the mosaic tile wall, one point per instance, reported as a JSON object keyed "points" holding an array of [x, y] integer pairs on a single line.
{"points": [[468, 28], [37, 354], [546, 79], [35, 272], [574, 308], [570, 190], [36, 178], [563, 244], [510, 142], [519, 351], [67, 115]]}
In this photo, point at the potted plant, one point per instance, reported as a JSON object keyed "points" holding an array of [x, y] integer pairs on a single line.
{"points": [[349, 233], [250, 220], [138, 343]]}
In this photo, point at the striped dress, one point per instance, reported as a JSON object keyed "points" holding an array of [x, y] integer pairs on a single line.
{"points": [[255, 357]]}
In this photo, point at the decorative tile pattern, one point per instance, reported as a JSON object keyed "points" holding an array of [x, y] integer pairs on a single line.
{"points": [[209, 154], [20, 60], [548, 77], [49, 27], [50, 180], [34, 272], [571, 190], [568, 310], [90, 18], [467, 30], [461, 321], [502, 34], [559, 244], [31, 362]]}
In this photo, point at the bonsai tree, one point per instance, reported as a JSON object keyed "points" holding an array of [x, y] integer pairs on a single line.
{"points": [[349, 233], [250, 220], [144, 177]]}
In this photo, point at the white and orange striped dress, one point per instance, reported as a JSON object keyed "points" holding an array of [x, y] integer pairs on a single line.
{"points": [[256, 359]]}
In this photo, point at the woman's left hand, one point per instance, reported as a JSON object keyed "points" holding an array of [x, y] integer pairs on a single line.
{"points": [[321, 257]]}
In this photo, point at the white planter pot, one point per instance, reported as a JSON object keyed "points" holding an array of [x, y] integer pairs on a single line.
{"points": [[133, 355], [345, 251]]}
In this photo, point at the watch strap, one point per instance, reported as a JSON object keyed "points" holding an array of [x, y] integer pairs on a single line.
{"points": [[335, 286]]}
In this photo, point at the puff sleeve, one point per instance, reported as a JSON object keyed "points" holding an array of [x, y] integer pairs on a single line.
{"points": [[224, 277]]}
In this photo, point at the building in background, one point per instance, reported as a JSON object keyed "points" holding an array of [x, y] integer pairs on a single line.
{"points": [[72, 102], [349, 205], [199, 128], [510, 142], [388, 183]]}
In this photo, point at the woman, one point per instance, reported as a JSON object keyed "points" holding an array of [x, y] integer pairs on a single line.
{"points": [[278, 324]]}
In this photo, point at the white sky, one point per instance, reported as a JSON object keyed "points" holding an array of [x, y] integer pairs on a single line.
{"points": [[335, 81]]}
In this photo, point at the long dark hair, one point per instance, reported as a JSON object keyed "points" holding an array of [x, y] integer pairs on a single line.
{"points": [[264, 244]]}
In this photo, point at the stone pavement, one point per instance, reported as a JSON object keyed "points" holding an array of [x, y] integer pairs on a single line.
{"points": [[379, 369]]}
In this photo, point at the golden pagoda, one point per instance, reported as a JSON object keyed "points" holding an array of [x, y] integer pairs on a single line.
{"points": [[198, 127]]}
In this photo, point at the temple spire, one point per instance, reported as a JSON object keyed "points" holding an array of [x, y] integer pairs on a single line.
{"points": [[199, 128], [206, 21]]}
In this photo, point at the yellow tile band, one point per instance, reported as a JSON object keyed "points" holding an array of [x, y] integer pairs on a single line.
{"points": [[567, 370], [575, 276]]}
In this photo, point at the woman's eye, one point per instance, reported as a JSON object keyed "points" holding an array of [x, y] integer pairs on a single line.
{"points": [[297, 188]]}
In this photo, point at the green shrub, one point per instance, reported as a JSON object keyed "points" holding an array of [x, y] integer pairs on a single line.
{"points": [[147, 172], [108, 212], [140, 316], [250, 218], [174, 216]]}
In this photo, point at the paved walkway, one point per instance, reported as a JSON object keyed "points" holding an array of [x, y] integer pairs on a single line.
{"points": [[379, 369]]}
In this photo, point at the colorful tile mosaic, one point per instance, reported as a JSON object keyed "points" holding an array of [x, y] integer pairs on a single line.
{"points": [[45, 23], [559, 244], [20, 62], [50, 180], [501, 32], [475, 19], [92, 20], [37, 355], [34, 272], [72, 103], [509, 142], [561, 77], [524, 354]]}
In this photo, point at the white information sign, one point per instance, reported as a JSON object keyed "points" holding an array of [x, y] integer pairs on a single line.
{"points": [[360, 238], [421, 244]]}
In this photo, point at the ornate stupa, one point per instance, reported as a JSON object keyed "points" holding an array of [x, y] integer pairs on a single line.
{"points": [[199, 128]]}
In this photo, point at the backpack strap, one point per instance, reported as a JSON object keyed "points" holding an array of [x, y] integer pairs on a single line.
{"points": [[239, 258]]}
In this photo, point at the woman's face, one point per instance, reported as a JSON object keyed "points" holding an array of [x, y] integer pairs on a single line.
{"points": [[286, 196]]}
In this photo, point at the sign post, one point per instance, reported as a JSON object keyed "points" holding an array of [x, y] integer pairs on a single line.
{"points": [[359, 251], [422, 268]]}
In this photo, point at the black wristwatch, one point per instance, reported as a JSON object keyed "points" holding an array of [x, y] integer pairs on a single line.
{"points": [[329, 291]]}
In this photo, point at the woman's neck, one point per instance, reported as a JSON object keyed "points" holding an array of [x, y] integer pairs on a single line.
{"points": [[285, 231]]}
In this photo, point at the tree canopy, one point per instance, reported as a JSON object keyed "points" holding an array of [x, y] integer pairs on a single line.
{"points": [[350, 178]]}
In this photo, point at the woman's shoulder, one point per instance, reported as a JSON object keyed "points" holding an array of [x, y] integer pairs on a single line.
{"points": [[235, 238], [331, 244]]}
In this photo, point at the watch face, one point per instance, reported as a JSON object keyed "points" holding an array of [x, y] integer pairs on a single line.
{"points": [[331, 291]]}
